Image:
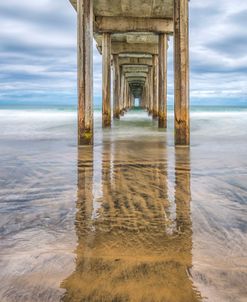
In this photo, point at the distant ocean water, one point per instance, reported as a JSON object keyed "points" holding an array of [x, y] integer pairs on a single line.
{"points": [[97, 108]]}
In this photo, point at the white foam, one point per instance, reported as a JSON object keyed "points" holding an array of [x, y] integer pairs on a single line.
{"points": [[36, 114]]}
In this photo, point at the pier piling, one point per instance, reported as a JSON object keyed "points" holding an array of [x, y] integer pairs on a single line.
{"points": [[181, 72], [106, 80], [162, 81], [116, 88], [85, 71], [155, 86]]}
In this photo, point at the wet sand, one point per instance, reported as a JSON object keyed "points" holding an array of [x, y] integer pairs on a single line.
{"points": [[131, 219]]}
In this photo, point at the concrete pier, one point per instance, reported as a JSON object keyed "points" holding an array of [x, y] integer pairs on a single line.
{"points": [[162, 81], [133, 39], [116, 87], [106, 80], [85, 71]]}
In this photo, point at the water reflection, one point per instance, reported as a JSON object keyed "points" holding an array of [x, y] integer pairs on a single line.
{"points": [[134, 241]]}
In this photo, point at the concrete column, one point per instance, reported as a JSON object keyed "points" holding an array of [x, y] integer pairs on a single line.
{"points": [[132, 100], [181, 72], [141, 100], [85, 71], [145, 96], [151, 90], [125, 95], [148, 93], [122, 92], [116, 88], [155, 86], [106, 80], [162, 81], [129, 97]]}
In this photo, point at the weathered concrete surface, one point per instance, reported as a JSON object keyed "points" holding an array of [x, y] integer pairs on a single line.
{"points": [[155, 86], [106, 80], [127, 48], [127, 24], [163, 81], [135, 75], [133, 68], [135, 61], [85, 72], [181, 70], [116, 87], [132, 8]]}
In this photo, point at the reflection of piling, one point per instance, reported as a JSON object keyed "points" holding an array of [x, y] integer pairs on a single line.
{"points": [[183, 199], [85, 190], [182, 189], [129, 251]]}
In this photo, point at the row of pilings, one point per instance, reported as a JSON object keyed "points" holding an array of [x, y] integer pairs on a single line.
{"points": [[140, 69]]}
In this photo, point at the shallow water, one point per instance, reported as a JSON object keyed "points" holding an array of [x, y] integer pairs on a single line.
{"points": [[131, 219]]}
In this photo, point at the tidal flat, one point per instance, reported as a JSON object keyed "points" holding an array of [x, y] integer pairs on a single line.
{"points": [[132, 218]]}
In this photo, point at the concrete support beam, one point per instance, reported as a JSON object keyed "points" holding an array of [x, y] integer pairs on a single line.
{"points": [[135, 68], [134, 55], [162, 81], [135, 74], [142, 38], [181, 70], [106, 80], [136, 79], [139, 81], [130, 24], [135, 61], [85, 71], [116, 88], [127, 48]]}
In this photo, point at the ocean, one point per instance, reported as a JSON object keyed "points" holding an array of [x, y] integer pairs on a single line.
{"points": [[132, 218]]}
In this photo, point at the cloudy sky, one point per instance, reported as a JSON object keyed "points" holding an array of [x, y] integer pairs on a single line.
{"points": [[38, 52]]}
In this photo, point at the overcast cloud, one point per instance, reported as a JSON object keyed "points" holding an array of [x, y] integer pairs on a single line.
{"points": [[38, 52]]}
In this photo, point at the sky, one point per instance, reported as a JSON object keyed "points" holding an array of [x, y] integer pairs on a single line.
{"points": [[38, 53]]}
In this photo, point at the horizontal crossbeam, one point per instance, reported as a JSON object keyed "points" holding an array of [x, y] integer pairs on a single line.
{"points": [[128, 24]]}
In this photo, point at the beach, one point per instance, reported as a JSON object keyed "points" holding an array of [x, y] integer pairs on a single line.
{"points": [[132, 218]]}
